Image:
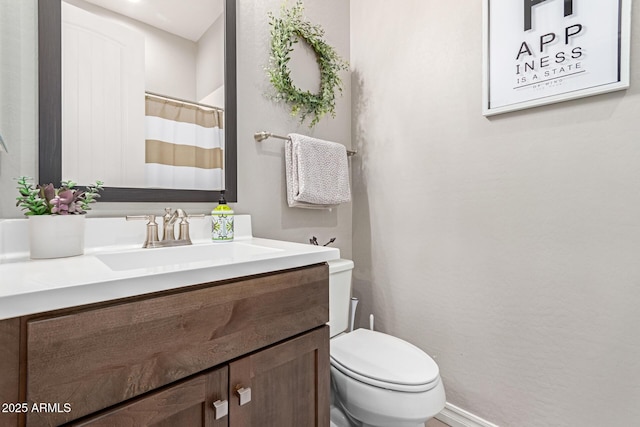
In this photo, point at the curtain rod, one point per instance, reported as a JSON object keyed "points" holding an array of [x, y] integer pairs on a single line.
{"points": [[184, 101], [261, 136]]}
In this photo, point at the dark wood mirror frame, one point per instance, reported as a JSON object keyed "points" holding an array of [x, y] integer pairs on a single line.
{"points": [[50, 114]]}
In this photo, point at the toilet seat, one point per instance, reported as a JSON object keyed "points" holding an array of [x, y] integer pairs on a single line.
{"points": [[384, 361]]}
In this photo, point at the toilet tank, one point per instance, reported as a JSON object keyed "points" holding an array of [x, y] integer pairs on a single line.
{"points": [[339, 294]]}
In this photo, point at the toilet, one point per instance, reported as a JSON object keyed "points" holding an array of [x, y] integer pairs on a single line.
{"points": [[376, 379]]}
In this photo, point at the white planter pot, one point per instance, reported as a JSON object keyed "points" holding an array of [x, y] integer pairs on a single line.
{"points": [[56, 236]]}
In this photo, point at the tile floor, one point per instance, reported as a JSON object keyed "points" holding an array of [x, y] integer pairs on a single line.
{"points": [[435, 423]]}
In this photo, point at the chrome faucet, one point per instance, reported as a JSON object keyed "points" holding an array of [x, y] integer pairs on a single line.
{"points": [[169, 220]]}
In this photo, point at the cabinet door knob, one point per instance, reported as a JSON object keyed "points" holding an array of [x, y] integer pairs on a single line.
{"points": [[244, 394], [220, 409]]}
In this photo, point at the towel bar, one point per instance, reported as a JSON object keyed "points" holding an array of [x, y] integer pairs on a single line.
{"points": [[261, 136]]}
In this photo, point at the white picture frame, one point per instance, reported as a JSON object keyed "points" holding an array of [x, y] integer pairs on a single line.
{"points": [[571, 49]]}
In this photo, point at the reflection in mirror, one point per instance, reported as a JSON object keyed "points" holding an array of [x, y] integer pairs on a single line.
{"points": [[148, 100], [113, 52]]}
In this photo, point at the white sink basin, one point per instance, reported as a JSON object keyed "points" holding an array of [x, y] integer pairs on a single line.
{"points": [[203, 254]]}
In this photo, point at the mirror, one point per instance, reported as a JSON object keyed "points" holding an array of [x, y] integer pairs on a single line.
{"points": [[52, 145]]}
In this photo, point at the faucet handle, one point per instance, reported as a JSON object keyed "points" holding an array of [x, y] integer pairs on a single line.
{"points": [[168, 219], [151, 218], [183, 233], [152, 228]]}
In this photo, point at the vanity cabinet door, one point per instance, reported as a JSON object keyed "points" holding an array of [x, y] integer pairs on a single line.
{"points": [[188, 403], [288, 383]]}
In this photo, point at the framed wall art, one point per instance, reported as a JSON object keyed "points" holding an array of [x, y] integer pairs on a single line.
{"points": [[538, 52]]}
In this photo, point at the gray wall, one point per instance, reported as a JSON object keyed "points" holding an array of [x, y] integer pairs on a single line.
{"points": [[261, 173], [261, 168], [507, 247]]}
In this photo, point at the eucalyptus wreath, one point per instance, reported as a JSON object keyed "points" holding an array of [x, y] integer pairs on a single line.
{"points": [[286, 31]]}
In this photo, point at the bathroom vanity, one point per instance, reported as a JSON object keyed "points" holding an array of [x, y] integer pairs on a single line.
{"points": [[246, 350]]}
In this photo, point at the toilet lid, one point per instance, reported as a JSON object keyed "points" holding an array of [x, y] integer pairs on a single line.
{"points": [[384, 361]]}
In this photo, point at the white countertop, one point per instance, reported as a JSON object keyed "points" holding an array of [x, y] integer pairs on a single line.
{"points": [[34, 286]]}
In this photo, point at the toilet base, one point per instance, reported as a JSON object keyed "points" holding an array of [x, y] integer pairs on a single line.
{"points": [[339, 419], [416, 425], [366, 406]]}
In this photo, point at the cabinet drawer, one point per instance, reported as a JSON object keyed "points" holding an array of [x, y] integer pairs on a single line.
{"points": [[96, 358], [188, 403]]}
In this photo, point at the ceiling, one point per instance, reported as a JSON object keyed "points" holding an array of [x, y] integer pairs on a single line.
{"points": [[186, 18]]}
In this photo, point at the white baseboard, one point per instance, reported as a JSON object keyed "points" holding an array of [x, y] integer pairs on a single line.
{"points": [[457, 417]]}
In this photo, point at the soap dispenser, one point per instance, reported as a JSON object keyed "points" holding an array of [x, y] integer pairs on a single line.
{"points": [[222, 221]]}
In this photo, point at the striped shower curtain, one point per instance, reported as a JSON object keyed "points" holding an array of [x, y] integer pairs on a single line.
{"points": [[184, 146]]}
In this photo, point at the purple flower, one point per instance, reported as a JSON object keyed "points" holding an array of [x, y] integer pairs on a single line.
{"points": [[57, 207], [63, 203]]}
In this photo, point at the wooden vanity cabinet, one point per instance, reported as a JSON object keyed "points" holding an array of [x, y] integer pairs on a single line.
{"points": [[164, 359]]}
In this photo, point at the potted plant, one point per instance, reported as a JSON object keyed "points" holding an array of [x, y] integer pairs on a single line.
{"points": [[56, 216]]}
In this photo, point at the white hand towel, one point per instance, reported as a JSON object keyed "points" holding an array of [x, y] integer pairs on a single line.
{"points": [[317, 173]]}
